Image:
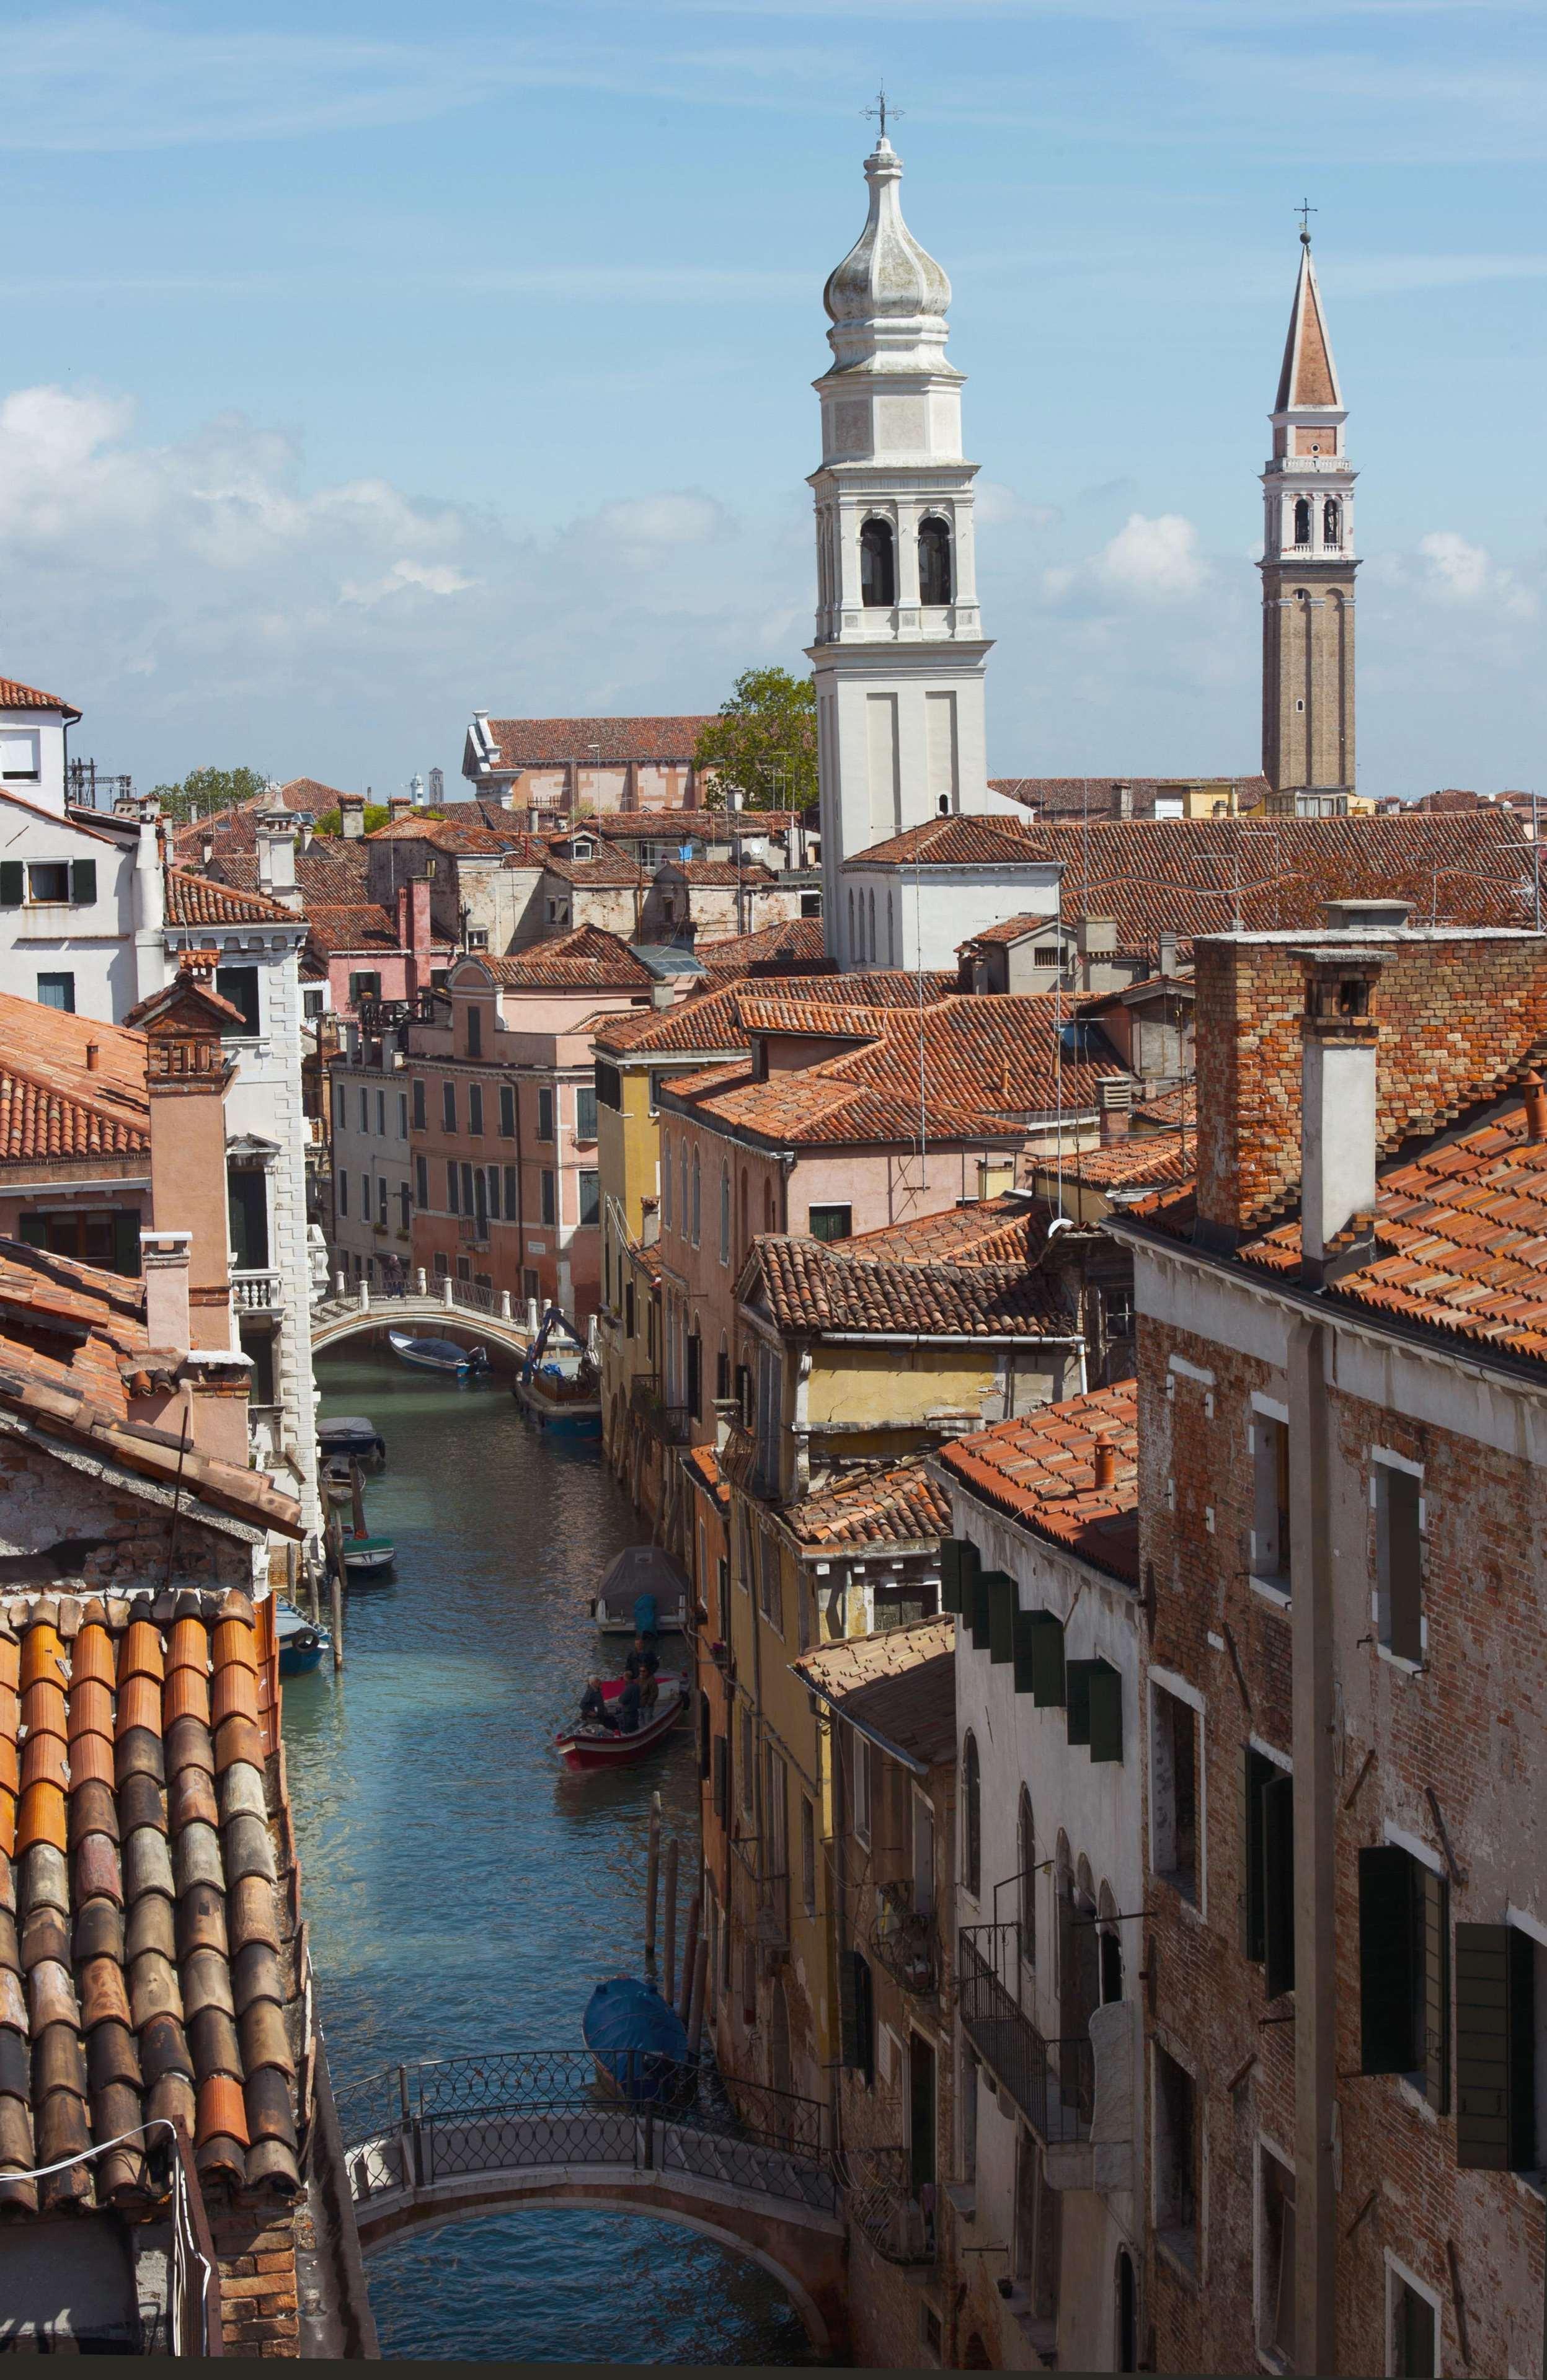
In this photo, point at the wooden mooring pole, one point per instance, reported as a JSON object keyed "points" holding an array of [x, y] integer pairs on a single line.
{"points": [[668, 1979], [695, 2014], [652, 1879], [690, 1953]]}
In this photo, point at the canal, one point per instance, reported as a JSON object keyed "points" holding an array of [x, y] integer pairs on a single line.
{"points": [[465, 1890]]}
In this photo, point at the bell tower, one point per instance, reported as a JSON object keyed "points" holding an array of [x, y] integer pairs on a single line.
{"points": [[899, 653], [1308, 574]]}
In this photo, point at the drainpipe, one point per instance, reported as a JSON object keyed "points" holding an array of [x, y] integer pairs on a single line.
{"points": [[1315, 1810]]}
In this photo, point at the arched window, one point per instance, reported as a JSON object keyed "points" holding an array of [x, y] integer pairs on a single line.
{"points": [[934, 562], [725, 1218], [1026, 1861], [695, 1197], [878, 566], [1302, 520], [1332, 522], [971, 1818], [682, 1209]]}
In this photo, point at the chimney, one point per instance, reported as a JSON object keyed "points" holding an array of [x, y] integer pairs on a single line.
{"points": [[1113, 1100], [1104, 1463], [662, 993], [303, 828], [1337, 1111], [1096, 941], [1366, 916], [995, 1175], [1168, 964], [164, 1260], [534, 819], [186, 1077], [206, 848], [400, 806], [276, 857], [1536, 1106], [351, 816], [93, 1056]]}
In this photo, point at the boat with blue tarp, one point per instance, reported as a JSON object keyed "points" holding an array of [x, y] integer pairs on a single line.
{"points": [[301, 1641], [438, 1355], [637, 2038]]}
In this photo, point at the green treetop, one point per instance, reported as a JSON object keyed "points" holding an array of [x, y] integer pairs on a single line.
{"points": [[763, 745]]}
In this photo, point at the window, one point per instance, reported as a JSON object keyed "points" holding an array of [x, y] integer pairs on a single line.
{"points": [[402, 1115], [863, 1758], [508, 1110], [1026, 1863], [830, 1223], [585, 1112], [448, 1106], [971, 1818], [475, 1029], [365, 1197], [878, 566], [1176, 2160], [1270, 1870], [382, 1204], [419, 1107], [1128, 2313], [1048, 955], [748, 1756], [467, 1189], [56, 991], [475, 1110], [724, 1225], [550, 1194], [1270, 1535], [544, 1113], [495, 1191], [934, 562], [443, 1264], [857, 2015], [380, 1115], [1302, 520], [48, 879], [1174, 1773], [1404, 1971], [364, 985], [1501, 2058], [591, 1197], [609, 1086], [422, 1179], [1412, 2319], [239, 986], [682, 1186], [478, 938], [247, 1206], [343, 1192], [807, 1858], [364, 1109], [453, 1192], [695, 1376], [19, 754], [1332, 522], [1275, 2258], [1036, 2238], [1399, 1618], [512, 1196], [771, 1588]]}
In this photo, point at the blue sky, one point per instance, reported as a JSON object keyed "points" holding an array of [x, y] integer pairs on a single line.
{"points": [[365, 364]]}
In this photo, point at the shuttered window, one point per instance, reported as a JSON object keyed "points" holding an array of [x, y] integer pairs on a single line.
{"points": [[1077, 1687], [1106, 1711], [12, 883], [1404, 1971], [977, 1611], [1495, 2048], [84, 881], [1259, 1774], [959, 1568], [1041, 1658], [1278, 1885], [857, 2015], [1002, 1614]]}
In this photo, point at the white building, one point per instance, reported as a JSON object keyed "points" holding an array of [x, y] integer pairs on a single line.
{"points": [[899, 652], [912, 901], [1043, 1569]]}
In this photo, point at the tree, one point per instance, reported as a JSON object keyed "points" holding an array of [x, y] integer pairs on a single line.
{"points": [[763, 745], [203, 790], [376, 814]]}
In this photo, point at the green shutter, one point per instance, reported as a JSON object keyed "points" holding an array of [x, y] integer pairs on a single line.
{"points": [[1278, 1885], [1106, 1711], [1047, 1661], [32, 1230], [1388, 1941], [978, 1610], [12, 883], [1002, 1614], [84, 881], [125, 1245], [1025, 1654], [1076, 1680], [959, 1567]]}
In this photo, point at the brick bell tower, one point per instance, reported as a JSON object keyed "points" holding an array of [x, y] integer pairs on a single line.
{"points": [[1307, 575]]}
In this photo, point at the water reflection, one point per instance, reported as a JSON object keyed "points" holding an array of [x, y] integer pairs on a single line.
{"points": [[466, 1891]]}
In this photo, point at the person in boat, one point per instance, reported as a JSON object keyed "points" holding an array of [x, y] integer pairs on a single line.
{"points": [[594, 1706], [648, 1697], [643, 1660], [629, 1708]]}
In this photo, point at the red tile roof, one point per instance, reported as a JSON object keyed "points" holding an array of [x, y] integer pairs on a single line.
{"points": [[1040, 1468], [609, 868], [814, 1289], [1142, 1162], [828, 1018], [545, 743], [588, 958], [957, 843], [796, 942], [990, 1230], [14, 696], [682, 826], [1096, 796], [364, 926], [898, 1683], [330, 871], [53, 1102], [198, 901], [899, 1507]]}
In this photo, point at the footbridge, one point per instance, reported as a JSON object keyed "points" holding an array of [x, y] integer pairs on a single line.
{"points": [[451, 1309], [744, 2166]]}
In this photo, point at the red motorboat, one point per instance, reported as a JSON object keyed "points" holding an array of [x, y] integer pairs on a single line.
{"points": [[587, 1745]]}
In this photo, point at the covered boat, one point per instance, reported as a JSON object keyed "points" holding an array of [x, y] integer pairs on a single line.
{"points": [[584, 1744], [301, 1643], [644, 1593], [637, 2038], [438, 1355], [350, 1436]]}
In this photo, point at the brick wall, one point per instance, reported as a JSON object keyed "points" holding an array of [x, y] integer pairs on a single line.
{"points": [[1449, 1024], [255, 2247]]}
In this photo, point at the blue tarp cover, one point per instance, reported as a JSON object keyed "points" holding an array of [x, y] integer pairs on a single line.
{"points": [[632, 2032]]}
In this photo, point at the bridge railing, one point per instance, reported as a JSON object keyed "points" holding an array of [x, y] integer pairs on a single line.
{"points": [[520, 2110]]}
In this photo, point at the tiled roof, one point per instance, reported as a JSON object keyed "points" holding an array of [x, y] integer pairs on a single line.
{"points": [[537, 742], [1139, 1163], [198, 901], [988, 1231], [586, 958], [785, 1011], [470, 835], [899, 1683], [720, 871], [1013, 930], [37, 1120], [704, 1463], [351, 926], [814, 1288], [1168, 1108], [1039, 1469], [607, 868], [147, 1967], [714, 1019], [14, 696], [329, 870], [899, 1507], [235, 829], [794, 942], [53, 1101], [1461, 1235], [956, 842], [682, 826], [1096, 796]]}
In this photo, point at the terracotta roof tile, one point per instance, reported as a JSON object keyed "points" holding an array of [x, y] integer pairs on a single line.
{"points": [[362, 926], [53, 1102], [194, 900], [795, 942], [1040, 1468], [330, 872], [812, 1288], [957, 843], [1096, 796], [663, 826], [899, 1507], [14, 696], [898, 1683], [991, 1230], [586, 958], [1142, 1162], [609, 868], [537, 742]]}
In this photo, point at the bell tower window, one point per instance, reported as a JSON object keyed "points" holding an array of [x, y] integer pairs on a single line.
{"points": [[1302, 520], [1332, 522], [878, 566], [934, 562]]}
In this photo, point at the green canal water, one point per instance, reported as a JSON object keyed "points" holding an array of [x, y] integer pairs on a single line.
{"points": [[466, 1891]]}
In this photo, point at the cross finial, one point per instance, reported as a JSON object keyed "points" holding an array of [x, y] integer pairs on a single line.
{"points": [[883, 109], [1305, 210]]}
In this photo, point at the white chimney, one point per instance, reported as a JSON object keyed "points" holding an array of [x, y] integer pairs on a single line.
{"points": [[1337, 1109], [164, 1259], [351, 816]]}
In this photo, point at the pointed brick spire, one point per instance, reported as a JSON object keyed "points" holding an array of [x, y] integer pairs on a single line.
{"points": [[1309, 375]]}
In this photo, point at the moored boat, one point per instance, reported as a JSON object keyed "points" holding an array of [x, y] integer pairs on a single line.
{"points": [[558, 1384], [367, 1557], [438, 1355], [301, 1643], [637, 2040], [644, 1593], [344, 1436], [585, 1745]]}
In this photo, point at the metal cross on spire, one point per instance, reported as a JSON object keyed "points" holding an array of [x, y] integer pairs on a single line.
{"points": [[881, 108], [1305, 210]]}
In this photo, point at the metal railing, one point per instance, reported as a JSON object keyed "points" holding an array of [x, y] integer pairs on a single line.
{"points": [[904, 1939], [520, 2110], [880, 2200], [647, 1398], [1053, 2082]]}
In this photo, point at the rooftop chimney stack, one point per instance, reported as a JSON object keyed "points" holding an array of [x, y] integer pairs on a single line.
{"points": [[1536, 1106], [351, 816], [1167, 952], [1337, 1109], [1105, 1464], [399, 805], [276, 857]]}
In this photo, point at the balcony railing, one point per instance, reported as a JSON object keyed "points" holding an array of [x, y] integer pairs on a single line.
{"points": [[880, 2200], [1053, 2082], [256, 1292], [474, 1229], [904, 1940], [674, 1424]]}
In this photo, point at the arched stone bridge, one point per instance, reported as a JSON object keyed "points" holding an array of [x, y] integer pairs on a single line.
{"points": [[453, 1309], [527, 2127]]}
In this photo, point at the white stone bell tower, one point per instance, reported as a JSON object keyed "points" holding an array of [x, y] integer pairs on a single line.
{"points": [[899, 652]]}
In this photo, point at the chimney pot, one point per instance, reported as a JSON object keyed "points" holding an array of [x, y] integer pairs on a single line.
{"points": [[1535, 1107], [1105, 1464], [93, 1056], [351, 816]]}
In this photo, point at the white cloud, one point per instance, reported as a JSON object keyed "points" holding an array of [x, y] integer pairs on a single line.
{"points": [[1153, 559]]}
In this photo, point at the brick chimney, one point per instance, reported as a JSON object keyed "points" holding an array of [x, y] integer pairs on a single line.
{"points": [[163, 1261], [1338, 1128], [351, 816], [399, 805], [277, 858], [414, 930], [188, 1074]]}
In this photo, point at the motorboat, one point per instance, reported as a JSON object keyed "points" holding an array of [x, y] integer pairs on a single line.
{"points": [[637, 2040], [301, 1643], [438, 1355], [644, 1593], [558, 1384], [586, 1745], [367, 1557], [350, 1436]]}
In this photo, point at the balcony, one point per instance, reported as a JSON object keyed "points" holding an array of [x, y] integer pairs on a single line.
{"points": [[1053, 2082], [880, 2200], [256, 1292], [672, 1424], [473, 1230], [904, 1940]]}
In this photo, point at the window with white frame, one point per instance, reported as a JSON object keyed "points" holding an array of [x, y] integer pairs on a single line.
{"points": [[1412, 2325], [1396, 1493]]}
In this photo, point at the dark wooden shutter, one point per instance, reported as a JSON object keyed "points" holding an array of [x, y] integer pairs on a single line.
{"points": [[1388, 1941], [1025, 1656], [1002, 1614], [83, 880], [125, 1245], [1047, 1660], [1278, 1884], [1106, 1711], [959, 1567], [1489, 2104], [978, 1610], [1259, 1774], [12, 883], [1076, 1686], [848, 2031]]}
